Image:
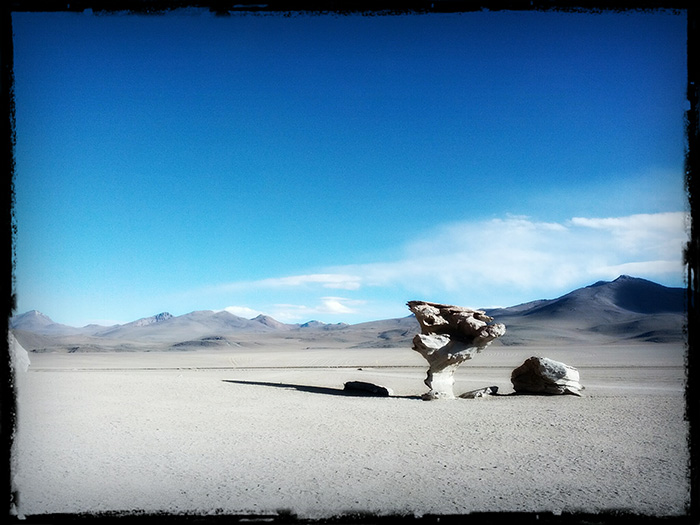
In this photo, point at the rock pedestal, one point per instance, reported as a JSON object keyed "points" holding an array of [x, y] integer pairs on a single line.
{"points": [[541, 375], [449, 336]]}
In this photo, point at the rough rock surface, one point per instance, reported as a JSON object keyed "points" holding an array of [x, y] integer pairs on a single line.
{"points": [[541, 375], [449, 336]]}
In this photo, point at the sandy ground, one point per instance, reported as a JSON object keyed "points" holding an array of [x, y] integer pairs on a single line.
{"points": [[271, 430]]}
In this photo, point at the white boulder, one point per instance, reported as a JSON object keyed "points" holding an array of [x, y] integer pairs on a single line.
{"points": [[541, 375]]}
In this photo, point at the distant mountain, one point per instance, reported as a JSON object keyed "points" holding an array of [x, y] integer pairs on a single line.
{"points": [[153, 319], [604, 299], [194, 324], [388, 333], [627, 308], [35, 322], [318, 325], [642, 296], [270, 322]]}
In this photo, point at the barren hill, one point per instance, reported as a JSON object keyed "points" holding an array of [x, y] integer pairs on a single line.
{"points": [[628, 308]]}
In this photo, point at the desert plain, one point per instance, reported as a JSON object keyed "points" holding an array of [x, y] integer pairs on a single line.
{"points": [[267, 429]]}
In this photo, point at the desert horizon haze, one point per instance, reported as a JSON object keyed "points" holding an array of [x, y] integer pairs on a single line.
{"points": [[626, 309], [329, 167], [636, 293]]}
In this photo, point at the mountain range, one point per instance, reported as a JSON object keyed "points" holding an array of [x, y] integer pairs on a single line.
{"points": [[628, 309]]}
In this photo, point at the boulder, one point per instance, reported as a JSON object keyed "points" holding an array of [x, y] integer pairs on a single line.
{"points": [[449, 336], [541, 375], [481, 392], [369, 389]]}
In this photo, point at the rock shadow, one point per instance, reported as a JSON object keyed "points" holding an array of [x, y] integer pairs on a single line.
{"points": [[317, 389]]}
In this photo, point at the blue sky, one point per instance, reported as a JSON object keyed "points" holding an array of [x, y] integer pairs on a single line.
{"points": [[334, 167]]}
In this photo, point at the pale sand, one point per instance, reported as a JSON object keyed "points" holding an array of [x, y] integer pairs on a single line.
{"points": [[241, 431]]}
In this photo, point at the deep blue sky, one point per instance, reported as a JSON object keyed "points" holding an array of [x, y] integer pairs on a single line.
{"points": [[334, 167]]}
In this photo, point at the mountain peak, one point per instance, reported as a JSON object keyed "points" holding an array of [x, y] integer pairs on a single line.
{"points": [[312, 324], [624, 278], [320, 325], [604, 299], [158, 318], [35, 317], [34, 313], [629, 279], [268, 321], [642, 296]]}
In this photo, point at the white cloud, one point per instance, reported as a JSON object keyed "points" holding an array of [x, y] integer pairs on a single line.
{"points": [[243, 311], [491, 261], [649, 269], [527, 254], [336, 305], [327, 306], [642, 233], [326, 280]]}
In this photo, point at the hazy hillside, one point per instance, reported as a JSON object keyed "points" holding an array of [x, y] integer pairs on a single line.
{"points": [[626, 309], [38, 323]]}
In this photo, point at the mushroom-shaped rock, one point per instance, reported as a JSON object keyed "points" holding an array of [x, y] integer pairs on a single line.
{"points": [[541, 375], [449, 336]]}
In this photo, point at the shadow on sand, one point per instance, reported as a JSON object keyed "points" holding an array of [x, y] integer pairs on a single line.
{"points": [[318, 389]]}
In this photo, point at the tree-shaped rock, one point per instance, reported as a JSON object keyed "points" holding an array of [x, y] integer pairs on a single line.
{"points": [[449, 336]]}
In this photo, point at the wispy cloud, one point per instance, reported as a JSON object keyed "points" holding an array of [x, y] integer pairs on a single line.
{"points": [[337, 305], [333, 280], [243, 311], [641, 234], [494, 260], [326, 306], [339, 281], [520, 252]]}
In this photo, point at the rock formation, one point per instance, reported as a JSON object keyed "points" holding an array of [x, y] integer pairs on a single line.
{"points": [[449, 336], [541, 375]]}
